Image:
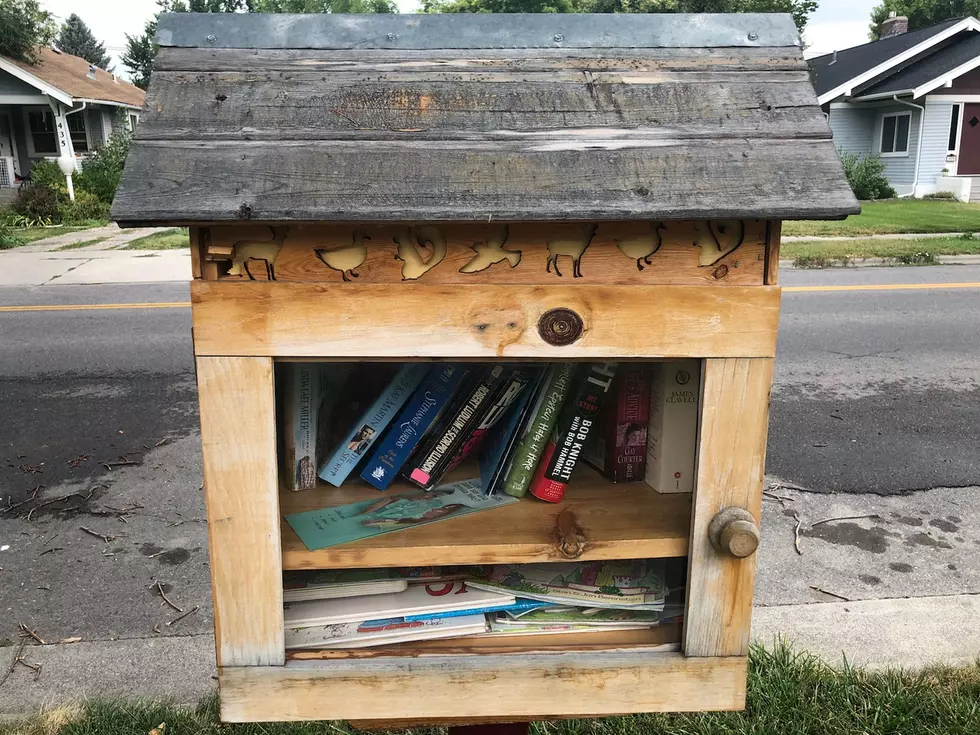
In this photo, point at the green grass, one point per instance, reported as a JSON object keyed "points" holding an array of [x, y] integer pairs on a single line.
{"points": [[788, 692], [822, 253], [167, 240], [897, 216], [77, 245], [28, 235]]}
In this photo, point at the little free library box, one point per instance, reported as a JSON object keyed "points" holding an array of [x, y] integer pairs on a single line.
{"points": [[374, 191]]}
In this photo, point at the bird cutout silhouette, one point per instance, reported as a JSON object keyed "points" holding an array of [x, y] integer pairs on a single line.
{"points": [[573, 248], [346, 258], [492, 251], [410, 243], [641, 247], [264, 250], [718, 239]]}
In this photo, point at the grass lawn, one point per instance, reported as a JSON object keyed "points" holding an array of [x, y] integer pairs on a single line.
{"points": [[174, 239], [897, 216], [77, 245], [27, 235], [787, 693], [820, 253]]}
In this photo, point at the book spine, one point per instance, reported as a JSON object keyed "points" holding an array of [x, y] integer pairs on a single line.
{"points": [[544, 415], [302, 396], [411, 424], [365, 432], [577, 420], [673, 426], [436, 454], [619, 449], [498, 451]]}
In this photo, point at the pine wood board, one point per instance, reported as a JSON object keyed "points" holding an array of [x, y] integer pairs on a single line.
{"points": [[772, 252], [439, 688], [621, 253], [619, 521], [418, 321], [238, 436]]}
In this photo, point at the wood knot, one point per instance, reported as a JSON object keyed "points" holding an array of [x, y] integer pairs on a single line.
{"points": [[221, 97], [245, 211], [569, 536], [720, 272]]}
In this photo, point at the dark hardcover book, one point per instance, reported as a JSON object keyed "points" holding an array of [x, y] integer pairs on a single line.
{"points": [[619, 448], [501, 445], [576, 422], [436, 453]]}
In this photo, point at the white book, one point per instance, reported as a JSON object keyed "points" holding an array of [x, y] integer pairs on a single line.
{"points": [[672, 435], [329, 584], [418, 599], [383, 632]]}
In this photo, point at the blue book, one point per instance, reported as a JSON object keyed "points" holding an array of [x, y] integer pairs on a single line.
{"points": [[369, 427], [522, 605], [411, 424], [498, 453]]}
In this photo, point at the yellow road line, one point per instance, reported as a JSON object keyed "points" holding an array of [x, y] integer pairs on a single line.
{"points": [[881, 287], [94, 307]]}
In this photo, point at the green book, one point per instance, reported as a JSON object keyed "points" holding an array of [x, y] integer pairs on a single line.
{"points": [[544, 415]]}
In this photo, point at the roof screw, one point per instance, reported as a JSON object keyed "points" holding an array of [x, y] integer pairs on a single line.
{"points": [[559, 38], [212, 38], [753, 36], [391, 36]]}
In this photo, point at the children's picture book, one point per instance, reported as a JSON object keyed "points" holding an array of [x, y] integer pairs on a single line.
{"points": [[575, 424], [632, 584], [301, 393], [516, 608], [536, 432], [504, 627], [619, 447], [367, 428], [675, 394], [434, 574], [382, 632], [591, 616], [326, 584], [417, 416], [341, 524], [498, 451], [418, 599]]}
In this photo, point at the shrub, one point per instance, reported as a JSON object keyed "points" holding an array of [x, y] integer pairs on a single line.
{"points": [[47, 175], [865, 174], [940, 195], [7, 238], [38, 204], [85, 208], [103, 168]]}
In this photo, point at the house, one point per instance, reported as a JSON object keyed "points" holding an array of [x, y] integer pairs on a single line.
{"points": [[63, 106], [914, 99]]}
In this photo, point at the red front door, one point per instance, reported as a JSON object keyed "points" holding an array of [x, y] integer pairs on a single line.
{"points": [[969, 156]]}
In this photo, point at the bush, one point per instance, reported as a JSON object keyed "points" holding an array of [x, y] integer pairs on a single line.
{"points": [[865, 174], [7, 238], [47, 175], [37, 204], [103, 168], [86, 207]]}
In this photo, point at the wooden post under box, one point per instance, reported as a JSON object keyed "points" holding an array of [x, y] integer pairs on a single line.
{"points": [[435, 187]]}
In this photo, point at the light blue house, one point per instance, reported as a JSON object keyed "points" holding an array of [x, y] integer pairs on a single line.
{"points": [[914, 99]]}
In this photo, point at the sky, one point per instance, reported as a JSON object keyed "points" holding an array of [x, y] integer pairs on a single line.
{"points": [[837, 24]]}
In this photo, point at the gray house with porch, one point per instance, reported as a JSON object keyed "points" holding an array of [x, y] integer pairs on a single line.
{"points": [[914, 99]]}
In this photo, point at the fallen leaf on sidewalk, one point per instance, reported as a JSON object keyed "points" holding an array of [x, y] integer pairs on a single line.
{"points": [[73, 639], [159, 729]]}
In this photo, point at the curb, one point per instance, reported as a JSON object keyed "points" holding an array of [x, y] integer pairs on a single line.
{"points": [[884, 262]]}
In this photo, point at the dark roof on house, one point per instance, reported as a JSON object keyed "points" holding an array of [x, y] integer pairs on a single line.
{"points": [[70, 75], [941, 61], [469, 117], [828, 74]]}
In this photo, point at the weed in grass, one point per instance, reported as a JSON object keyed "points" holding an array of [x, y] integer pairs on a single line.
{"points": [[812, 261], [6, 643], [920, 258]]}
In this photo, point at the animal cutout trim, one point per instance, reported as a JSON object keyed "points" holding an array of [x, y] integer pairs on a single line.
{"points": [[642, 247], [255, 250], [492, 251], [410, 243], [718, 239], [346, 258], [573, 248]]}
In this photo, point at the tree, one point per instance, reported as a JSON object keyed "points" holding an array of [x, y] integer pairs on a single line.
{"points": [[77, 39], [921, 13], [139, 54], [324, 6], [24, 28]]}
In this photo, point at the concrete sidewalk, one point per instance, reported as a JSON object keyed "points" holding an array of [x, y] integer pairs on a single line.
{"points": [[84, 266], [109, 237]]}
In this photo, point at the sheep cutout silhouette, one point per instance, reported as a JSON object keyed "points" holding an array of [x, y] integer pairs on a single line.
{"points": [[264, 250], [574, 248], [346, 258], [641, 247], [492, 251], [410, 243], [718, 239]]}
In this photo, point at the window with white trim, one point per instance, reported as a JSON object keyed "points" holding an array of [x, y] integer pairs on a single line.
{"points": [[954, 129], [895, 133], [43, 136], [76, 128]]}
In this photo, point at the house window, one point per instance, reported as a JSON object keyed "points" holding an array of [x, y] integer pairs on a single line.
{"points": [[133, 119], [895, 134], [76, 128], [954, 129], [44, 140]]}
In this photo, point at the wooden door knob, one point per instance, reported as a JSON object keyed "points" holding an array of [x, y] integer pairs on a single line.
{"points": [[734, 531]]}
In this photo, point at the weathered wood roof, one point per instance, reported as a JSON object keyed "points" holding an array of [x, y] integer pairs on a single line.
{"points": [[470, 117]]}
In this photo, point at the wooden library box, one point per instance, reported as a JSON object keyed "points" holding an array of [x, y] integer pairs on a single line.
{"points": [[486, 188]]}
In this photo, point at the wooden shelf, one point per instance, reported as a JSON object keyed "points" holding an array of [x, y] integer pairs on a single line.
{"points": [[629, 521]]}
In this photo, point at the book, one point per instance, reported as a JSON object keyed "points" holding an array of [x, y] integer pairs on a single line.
{"points": [[501, 445], [301, 394], [619, 448], [544, 414], [433, 574], [412, 422], [418, 599], [434, 455], [672, 433], [333, 385], [382, 632], [318, 529], [331, 583], [516, 608], [564, 449], [632, 584], [366, 430], [602, 617], [499, 627]]}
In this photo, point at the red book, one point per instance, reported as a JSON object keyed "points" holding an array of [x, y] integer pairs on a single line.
{"points": [[618, 450]]}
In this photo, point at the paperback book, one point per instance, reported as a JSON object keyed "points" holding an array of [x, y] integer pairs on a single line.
{"points": [[673, 426], [366, 430], [340, 524], [331, 583], [382, 632], [413, 421], [592, 616], [498, 452], [619, 448]]}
